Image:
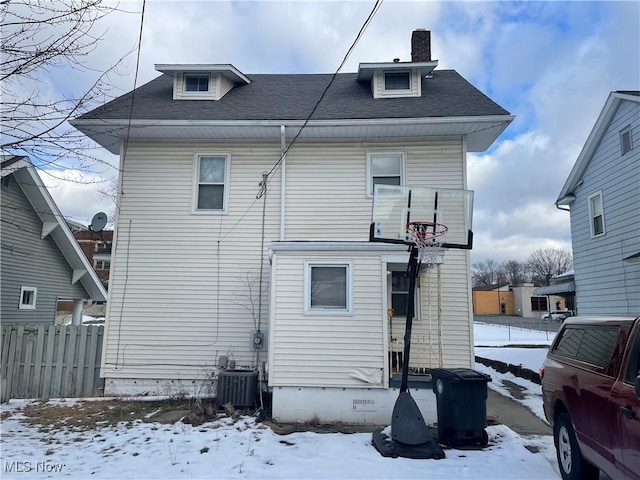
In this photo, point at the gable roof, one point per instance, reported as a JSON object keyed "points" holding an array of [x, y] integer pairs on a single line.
{"points": [[53, 223], [590, 146], [271, 100]]}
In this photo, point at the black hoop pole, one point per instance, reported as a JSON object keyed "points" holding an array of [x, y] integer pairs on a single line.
{"points": [[413, 273]]}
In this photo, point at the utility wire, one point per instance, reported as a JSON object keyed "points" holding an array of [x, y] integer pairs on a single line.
{"points": [[375, 9]]}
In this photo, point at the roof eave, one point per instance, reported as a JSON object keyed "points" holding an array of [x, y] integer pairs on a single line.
{"points": [[48, 211], [227, 70], [365, 70], [593, 140], [481, 131]]}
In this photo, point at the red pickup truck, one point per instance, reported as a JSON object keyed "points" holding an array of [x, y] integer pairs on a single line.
{"points": [[591, 394]]}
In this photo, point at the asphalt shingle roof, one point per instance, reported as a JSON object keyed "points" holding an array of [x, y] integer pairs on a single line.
{"points": [[292, 97]]}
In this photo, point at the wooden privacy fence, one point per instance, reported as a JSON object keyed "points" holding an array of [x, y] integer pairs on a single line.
{"points": [[51, 361]]}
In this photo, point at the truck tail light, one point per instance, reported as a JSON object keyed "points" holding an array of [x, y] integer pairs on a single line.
{"points": [[541, 373]]}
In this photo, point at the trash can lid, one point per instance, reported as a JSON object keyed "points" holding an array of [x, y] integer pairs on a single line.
{"points": [[460, 375]]}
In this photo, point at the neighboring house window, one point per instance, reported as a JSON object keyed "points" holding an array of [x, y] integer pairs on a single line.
{"points": [[28, 298], [385, 169], [539, 304], [5, 181], [328, 288], [596, 214], [196, 83], [397, 81], [212, 173], [626, 142]]}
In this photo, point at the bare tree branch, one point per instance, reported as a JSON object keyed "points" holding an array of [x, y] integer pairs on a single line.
{"points": [[37, 37]]}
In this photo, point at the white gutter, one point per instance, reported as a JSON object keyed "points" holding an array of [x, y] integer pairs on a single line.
{"points": [[283, 178], [494, 119]]}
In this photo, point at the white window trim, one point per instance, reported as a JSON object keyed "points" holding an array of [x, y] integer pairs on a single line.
{"points": [[197, 74], [626, 129], [397, 91], [369, 168], [591, 214], [308, 264], [417, 300], [27, 306], [195, 183]]}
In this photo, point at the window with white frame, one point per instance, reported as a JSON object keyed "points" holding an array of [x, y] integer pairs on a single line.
{"points": [[328, 288], [385, 169], [596, 214], [197, 83], [28, 298], [398, 286], [211, 182], [626, 142], [397, 81]]}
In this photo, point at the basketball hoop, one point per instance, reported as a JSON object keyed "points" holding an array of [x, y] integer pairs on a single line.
{"points": [[428, 237]]}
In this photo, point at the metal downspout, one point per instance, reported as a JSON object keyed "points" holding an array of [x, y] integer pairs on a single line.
{"points": [[283, 179]]}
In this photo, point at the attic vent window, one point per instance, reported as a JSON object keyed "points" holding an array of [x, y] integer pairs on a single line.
{"points": [[397, 81], [196, 83], [625, 140]]}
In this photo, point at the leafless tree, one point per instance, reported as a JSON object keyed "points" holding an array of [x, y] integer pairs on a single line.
{"points": [[544, 264], [39, 36], [487, 273], [515, 272]]}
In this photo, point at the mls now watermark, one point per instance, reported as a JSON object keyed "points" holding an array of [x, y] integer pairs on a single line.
{"points": [[28, 466]]}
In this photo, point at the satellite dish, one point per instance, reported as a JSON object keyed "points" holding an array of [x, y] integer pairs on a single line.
{"points": [[98, 222]]}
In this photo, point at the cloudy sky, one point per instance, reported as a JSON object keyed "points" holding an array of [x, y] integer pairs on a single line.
{"points": [[551, 64]]}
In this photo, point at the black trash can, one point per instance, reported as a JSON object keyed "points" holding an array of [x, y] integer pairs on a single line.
{"points": [[461, 395]]}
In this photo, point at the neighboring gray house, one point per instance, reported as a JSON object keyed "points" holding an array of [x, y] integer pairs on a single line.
{"points": [[41, 260], [603, 196]]}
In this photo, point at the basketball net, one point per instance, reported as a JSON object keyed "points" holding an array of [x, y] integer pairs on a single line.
{"points": [[428, 238]]}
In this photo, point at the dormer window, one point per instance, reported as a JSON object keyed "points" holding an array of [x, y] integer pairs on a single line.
{"points": [[196, 83], [397, 81], [202, 81]]}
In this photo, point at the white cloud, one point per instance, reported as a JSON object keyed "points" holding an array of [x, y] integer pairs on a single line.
{"points": [[552, 64]]}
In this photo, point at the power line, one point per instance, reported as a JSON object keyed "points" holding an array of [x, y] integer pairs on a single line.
{"points": [[366, 23]]}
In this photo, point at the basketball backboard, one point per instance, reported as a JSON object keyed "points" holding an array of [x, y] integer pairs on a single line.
{"points": [[395, 206]]}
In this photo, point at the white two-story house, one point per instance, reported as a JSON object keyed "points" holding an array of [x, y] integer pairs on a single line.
{"points": [[602, 193], [243, 225]]}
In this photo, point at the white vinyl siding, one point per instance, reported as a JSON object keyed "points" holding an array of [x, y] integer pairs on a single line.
{"points": [[327, 196], [218, 86], [378, 85], [606, 284], [322, 350], [184, 278]]}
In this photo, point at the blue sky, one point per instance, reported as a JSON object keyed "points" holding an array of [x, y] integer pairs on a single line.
{"points": [[552, 64]]}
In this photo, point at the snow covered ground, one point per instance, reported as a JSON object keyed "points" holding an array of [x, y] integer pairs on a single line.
{"points": [[244, 448]]}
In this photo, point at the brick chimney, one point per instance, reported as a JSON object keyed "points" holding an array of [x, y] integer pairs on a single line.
{"points": [[421, 45]]}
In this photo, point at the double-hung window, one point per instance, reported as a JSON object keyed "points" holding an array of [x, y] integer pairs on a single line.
{"points": [[211, 182], [596, 214], [328, 288], [385, 169]]}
